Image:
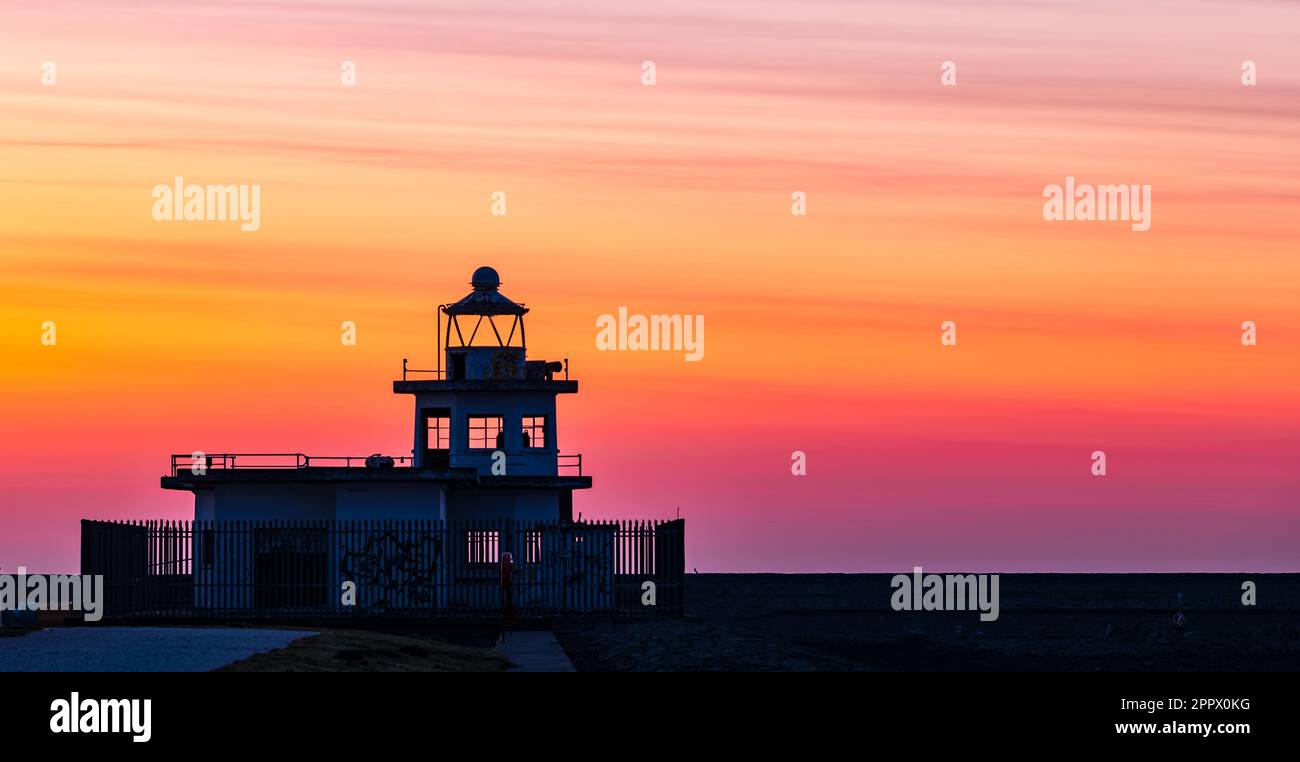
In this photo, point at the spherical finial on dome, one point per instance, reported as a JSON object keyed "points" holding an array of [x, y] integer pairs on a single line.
{"points": [[485, 279]]}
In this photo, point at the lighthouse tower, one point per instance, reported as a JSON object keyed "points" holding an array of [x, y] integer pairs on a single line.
{"points": [[491, 410], [485, 441]]}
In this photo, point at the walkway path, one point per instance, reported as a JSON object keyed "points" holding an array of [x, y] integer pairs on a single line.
{"points": [[533, 651]]}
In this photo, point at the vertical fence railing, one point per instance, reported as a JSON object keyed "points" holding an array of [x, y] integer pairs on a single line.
{"points": [[409, 567]]}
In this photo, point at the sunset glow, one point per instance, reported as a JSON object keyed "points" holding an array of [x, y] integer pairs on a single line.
{"points": [[924, 205]]}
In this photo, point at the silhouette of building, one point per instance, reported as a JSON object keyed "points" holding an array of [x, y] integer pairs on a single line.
{"points": [[485, 442], [477, 518]]}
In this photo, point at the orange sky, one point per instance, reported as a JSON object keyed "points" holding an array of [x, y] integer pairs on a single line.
{"points": [[924, 205]]}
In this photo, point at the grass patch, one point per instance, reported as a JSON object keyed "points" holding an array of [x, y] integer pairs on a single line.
{"points": [[362, 651]]}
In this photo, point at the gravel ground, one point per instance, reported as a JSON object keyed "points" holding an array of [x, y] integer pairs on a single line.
{"points": [[137, 649], [685, 645], [1047, 622]]}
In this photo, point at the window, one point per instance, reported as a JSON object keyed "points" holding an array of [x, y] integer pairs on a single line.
{"points": [[439, 430], [532, 546], [534, 432], [481, 547], [487, 432]]}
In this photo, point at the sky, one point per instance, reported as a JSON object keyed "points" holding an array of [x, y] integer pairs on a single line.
{"points": [[924, 204]]}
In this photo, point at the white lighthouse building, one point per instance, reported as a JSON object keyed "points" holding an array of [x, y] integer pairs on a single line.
{"points": [[485, 441]]}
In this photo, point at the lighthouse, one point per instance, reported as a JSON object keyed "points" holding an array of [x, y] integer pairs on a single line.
{"points": [[475, 518], [485, 441], [490, 409]]}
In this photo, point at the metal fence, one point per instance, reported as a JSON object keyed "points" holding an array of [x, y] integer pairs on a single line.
{"points": [[345, 568]]}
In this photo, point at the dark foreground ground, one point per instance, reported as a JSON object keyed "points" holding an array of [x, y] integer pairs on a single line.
{"points": [[370, 651], [1047, 622], [843, 622]]}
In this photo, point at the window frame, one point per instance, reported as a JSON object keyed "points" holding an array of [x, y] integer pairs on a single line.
{"points": [[491, 438], [430, 426], [523, 429]]}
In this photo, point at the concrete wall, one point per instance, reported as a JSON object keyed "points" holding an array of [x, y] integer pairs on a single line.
{"points": [[317, 501], [205, 505], [487, 362], [424, 500], [532, 504], [291, 502]]}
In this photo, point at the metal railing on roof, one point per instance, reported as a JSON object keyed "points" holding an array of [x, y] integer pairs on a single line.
{"points": [[571, 461], [408, 371], [275, 460], [567, 464], [412, 374]]}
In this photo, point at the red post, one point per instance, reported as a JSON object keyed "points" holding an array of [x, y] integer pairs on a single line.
{"points": [[507, 599]]}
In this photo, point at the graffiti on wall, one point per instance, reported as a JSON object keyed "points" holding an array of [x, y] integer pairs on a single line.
{"points": [[394, 569]]}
